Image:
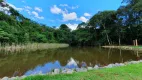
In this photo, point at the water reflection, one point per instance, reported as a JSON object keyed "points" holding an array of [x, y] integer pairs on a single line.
{"points": [[43, 69], [50, 66], [138, 54], [26, 63]]}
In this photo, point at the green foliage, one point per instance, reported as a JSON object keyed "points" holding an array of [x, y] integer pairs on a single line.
{"points": [[4, 36], [15, 28], [63, 34], [104, 28], [112, 27], [1, 0], [64, 27]]}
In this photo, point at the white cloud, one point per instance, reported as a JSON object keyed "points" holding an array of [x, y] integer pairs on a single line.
{"points": [[69, 16], [55, 10], [28, 11], [18, 9], [36, 15], [83, 19], [70, 7], [5, 10], [87, 14], [38, 9], [72, 26]]}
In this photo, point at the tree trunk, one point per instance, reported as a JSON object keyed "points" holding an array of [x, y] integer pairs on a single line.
{"points": [[119, 40], [106, 35], [108, 39]]}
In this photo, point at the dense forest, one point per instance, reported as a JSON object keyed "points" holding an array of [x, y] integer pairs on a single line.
{"points": [[104, 28], [15, 28]]}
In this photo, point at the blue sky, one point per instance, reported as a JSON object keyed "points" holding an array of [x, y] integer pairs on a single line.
{"points": [[57, 12]]}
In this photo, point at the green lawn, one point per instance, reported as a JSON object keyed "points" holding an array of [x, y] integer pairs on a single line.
{"points": [[126, 47], [137, 46], [130, 72]]}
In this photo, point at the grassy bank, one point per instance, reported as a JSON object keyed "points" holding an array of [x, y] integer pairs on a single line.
{"points": [[32, 46], [129, 72], [137, 48]]}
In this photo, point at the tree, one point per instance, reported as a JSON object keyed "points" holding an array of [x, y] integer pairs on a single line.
{"points": [[64, 27], [105, 27], [99, 21], [4, 36]]}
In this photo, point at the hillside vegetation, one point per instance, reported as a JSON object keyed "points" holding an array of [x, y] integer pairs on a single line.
{"points": [[104, 28], [15, 28]]}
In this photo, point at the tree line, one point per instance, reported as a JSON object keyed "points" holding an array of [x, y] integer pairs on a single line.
{"points": [[17, 29], [111, 27], [104, 28]]}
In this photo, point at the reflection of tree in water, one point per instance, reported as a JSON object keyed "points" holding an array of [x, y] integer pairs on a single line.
{"points": [[138, 54], [17, 72], [50, 66], [91, 56]]}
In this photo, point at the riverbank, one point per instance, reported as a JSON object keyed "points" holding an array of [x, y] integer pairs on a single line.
{"points": [[136, 48], [118, 71], [129, 72], [32, 46]]}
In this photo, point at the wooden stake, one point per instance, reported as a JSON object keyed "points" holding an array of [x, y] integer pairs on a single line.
{"points": [[136, 42]]}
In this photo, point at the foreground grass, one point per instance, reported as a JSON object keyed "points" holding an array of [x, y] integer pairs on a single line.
{"points": [[130, 72]]}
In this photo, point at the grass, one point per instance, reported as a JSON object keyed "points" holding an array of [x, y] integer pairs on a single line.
{"points": [[129, 72], [135, 48], [32, 47]]}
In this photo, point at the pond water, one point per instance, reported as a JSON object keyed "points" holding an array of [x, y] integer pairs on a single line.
{"points": [[35, 62]]}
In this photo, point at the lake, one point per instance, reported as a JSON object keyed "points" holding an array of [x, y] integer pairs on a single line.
{"points": [[35, 62]]}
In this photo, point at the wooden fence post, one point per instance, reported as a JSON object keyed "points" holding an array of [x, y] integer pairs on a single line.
{"points": [[136, 42]]}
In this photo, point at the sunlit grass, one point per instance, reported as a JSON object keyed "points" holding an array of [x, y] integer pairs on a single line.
{"points": [[130, 47], [136, 46]]}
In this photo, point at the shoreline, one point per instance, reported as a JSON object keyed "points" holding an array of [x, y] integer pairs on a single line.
{"points": [[32, 47], [57, 72], [134, 48]]}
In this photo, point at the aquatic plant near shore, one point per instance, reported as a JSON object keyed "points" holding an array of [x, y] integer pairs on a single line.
{"points": [[31, 46]]}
